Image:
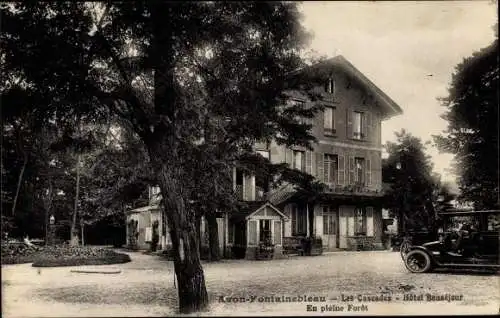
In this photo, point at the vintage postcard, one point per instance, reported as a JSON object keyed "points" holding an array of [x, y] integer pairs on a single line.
{"points": [[164, 158]]}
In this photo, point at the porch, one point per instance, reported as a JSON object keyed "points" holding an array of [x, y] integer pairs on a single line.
{"points": [[253, 230], [341, 222]]}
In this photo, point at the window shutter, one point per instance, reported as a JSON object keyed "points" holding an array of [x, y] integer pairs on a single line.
{"points": [[319, 166], [349, 123], [351, 170], [369, 126], [331, 170], [294, 219], [277, 232], [309, 162], [252, 232], [302, 161], [364, 125], [369, 221], [326, 169], [341, 171], [368, 172]]}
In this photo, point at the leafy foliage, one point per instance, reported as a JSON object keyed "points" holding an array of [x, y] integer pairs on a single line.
{"points": [[413, 185], [198, 83], [472, 133]]}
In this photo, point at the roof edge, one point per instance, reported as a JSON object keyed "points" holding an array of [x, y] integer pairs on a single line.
{"points": [[341, 61]]}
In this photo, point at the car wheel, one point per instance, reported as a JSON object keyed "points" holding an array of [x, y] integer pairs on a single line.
{"points": [[418, 261], [404, 249]]}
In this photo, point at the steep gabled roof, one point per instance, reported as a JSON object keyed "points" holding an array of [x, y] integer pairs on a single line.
{"points": [[390, 107], [253, 207]]}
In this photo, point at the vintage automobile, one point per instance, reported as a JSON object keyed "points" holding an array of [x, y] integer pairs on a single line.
{"points": [[473, 246]]}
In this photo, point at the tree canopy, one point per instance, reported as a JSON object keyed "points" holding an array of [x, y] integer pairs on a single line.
{"points": [[413, 185], [192, 81], [472, 132]]}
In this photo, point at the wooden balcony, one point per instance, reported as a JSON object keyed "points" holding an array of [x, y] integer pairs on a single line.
{"points": [[354, 189]]}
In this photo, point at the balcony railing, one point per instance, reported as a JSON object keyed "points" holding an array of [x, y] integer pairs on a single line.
{"points": [[239, 191], [358, 188]]}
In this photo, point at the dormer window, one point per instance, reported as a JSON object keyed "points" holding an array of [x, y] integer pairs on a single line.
{"points": [[330, 86]]}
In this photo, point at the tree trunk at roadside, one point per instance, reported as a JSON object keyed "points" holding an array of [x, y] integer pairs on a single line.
{"points": [[19, 183], [213, 237], [192, 292], [47, 204], [74, 231], [82, 226]]}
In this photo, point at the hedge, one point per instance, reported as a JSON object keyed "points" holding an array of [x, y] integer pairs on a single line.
{"points": [[53, 256]]}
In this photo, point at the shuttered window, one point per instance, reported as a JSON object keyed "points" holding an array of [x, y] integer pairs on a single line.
{"points": [[299, 161], [359, 173], [330, 168], [319, 166], [329, 120]]}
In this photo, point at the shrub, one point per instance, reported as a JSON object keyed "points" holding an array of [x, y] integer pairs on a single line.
{"points": [[78, 255], [17, 253], [49, 256]]}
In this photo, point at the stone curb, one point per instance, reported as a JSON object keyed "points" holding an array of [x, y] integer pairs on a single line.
{"points": [[97, 271]]}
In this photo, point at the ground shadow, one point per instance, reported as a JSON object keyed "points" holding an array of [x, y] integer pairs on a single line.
{"points": [[467, 271]]}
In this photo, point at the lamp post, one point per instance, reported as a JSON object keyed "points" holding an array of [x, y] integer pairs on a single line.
{"points": [[401, 221], [52, 230]]}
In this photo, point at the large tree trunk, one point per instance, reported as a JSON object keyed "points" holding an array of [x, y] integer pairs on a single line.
{"points": [[197, 226], [74, 230], [192, 292], [213, 237], [19, 182]]}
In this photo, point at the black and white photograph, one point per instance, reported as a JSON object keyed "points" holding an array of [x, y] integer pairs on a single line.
{"points": [[248, 158]]}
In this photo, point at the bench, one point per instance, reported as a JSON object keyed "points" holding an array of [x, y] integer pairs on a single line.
{"points": [[293, 245]]}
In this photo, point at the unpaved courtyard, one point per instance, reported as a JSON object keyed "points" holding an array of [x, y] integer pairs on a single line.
{"points": [[342, 283]]}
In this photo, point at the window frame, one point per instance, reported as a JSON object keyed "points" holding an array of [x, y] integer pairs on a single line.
{"points": [[357, 170], [330, 86], [333, 129], [358, 135], [327, 165], [360, 212], [303, 160]]}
